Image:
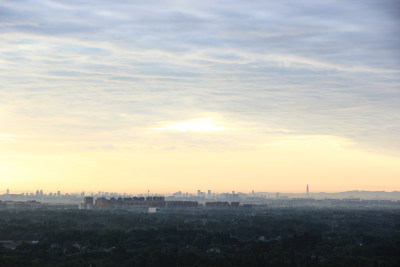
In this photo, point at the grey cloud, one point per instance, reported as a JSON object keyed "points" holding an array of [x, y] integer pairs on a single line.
{"points": [[162, 59]]}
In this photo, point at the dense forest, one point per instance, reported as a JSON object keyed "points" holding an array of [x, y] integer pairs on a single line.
{"points": [[272, 237]]}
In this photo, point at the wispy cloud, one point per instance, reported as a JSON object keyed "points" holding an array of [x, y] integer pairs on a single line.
{"points": [[194, 125], [6, 137], [69, 69]]}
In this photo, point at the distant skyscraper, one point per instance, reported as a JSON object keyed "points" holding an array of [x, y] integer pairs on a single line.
{"points": [[88, 200], [308, 193], [8, 191]]}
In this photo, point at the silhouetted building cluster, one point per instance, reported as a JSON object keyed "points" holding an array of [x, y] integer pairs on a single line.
{"points": [[102, 203], [87, 204], [222, 204], [181, 204]]}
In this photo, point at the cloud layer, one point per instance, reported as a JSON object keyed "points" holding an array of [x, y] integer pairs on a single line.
{"points": [[96, 73]]}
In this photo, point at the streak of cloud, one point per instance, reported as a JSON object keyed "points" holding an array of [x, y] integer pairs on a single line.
{"points": [[69, 69]]}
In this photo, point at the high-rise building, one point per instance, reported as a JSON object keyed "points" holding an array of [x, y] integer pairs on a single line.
{"points": [[308, 193], [88, 200], [87, 204], [102, 203], [8, 191]]}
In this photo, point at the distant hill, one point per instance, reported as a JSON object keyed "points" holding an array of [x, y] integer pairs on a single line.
{"points": [[382, 195]]}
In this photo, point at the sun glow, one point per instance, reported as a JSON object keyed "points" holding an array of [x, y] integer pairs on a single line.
{"points": [[195, 125]]}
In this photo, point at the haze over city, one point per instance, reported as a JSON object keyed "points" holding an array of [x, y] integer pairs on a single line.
{"points": [[213, 95]]}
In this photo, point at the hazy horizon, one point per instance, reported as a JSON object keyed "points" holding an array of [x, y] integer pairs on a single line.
{"points": [[190, 191], [214, 95]]}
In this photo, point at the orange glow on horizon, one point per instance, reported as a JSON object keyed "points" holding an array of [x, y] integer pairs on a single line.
{"points": [[286, 165]]}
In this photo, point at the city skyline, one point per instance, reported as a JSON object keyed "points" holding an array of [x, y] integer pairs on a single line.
{"points": [[166, 95], [197, 193], [152, 203]]}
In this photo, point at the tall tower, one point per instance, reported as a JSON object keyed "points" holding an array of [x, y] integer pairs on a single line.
{"points": [[308, 193]]}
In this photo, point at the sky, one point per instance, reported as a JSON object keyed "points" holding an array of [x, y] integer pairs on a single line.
{"points": [[126, 96]]}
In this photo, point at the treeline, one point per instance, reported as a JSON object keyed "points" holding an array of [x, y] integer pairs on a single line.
{"points": [[276, 237]]}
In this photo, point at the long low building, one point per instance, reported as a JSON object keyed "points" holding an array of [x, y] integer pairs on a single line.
{"points": [[181, 204]]}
